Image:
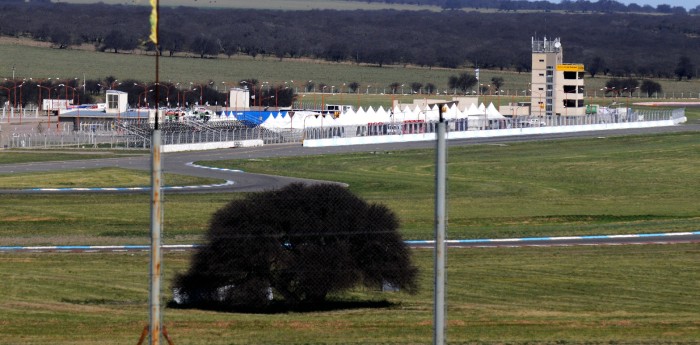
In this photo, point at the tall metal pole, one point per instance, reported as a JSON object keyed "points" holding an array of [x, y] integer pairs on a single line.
{"points": [[156, 228], [155, 317], [440, 219]]}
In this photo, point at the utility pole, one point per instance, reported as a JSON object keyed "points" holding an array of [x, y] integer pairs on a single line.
{"points": [[155, 316]]}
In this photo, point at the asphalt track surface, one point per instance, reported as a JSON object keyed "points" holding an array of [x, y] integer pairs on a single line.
{"points": [[181, 163]]}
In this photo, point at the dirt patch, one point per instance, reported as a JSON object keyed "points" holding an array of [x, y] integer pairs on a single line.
{"points": [[22, 260], [25, 41], [29, 219], [22, 41], [298, 325]]}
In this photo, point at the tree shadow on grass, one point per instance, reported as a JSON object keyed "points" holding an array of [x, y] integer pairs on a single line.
{"points": [[280, 307]]}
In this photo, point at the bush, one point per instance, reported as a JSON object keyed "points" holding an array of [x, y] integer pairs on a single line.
{"points": [[298, 244]]}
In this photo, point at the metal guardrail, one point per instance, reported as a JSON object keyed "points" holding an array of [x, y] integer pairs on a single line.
{"points": [[481, 123], [136, 134]]}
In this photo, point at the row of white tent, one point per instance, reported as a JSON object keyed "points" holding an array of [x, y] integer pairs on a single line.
{"points": [[310, 119]]}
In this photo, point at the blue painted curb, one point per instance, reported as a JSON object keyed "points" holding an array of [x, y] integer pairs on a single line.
{"points": [[409, 242], [128, 189], [534, 239], [93, 248]]}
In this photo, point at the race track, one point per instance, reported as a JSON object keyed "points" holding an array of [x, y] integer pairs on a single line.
{"points": [[181, 162], [239, 181]]}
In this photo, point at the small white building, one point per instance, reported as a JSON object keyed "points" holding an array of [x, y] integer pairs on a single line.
{"points": [[116, 102], [55, 104], [239, 99], [462, 102], [515, 109]]}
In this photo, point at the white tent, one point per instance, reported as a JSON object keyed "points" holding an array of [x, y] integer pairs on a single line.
{"points": [[492, 113], [362, 116]]}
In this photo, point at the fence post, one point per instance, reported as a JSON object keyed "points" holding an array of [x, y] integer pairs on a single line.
{"points": [[440, 217], [156, 229]]}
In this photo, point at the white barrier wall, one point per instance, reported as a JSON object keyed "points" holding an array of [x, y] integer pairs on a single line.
{"points": [[487, 133], [210, 146]]}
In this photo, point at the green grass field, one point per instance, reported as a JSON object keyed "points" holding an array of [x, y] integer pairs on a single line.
{"points": [[30, 156], [576, 295], [569, 295], [32, 62], [584, 186], [553, 188]]}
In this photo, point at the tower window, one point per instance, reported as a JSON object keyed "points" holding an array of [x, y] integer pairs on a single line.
{"points": [[570, 75], [112, 101], [569, 103]]}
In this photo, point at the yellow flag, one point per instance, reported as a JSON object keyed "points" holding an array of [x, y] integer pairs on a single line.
{"points": [[154, 22]]}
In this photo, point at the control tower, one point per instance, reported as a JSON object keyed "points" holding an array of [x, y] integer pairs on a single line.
{"points": [[557, 88]]}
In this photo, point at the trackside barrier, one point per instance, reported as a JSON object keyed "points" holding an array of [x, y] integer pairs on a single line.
{"points": [[478, 128], [211, 145], [135, 135], [184, 136]]}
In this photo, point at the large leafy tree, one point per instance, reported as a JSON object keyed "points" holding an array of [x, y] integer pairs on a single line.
{"points": [[497, 83], [650, 87], [172, 41], [416, 87], [353, 87], [277, 96], [61, 38], [298, 244], [462, 82], [685, 68], [205, 46], [117, 40], [618, 87], [595, 66]]}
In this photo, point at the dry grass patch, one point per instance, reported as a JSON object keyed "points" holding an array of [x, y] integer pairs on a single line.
{"points": [[95, 178]]}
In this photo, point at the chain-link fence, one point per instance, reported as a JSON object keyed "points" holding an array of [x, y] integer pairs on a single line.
{"points": [[136, 134], [132, 135], [483, 123], [272, 268], [27, 113]]}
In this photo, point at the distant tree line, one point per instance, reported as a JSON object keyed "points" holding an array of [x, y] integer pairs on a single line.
{"points": [[583, 6], [20, 93], [617, 87], [614, 44]]}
